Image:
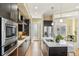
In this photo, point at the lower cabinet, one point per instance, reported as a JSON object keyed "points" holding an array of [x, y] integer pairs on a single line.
{"points": [[45, 49], [22, 49], [14, 53], [53, 51], [58, 51]]}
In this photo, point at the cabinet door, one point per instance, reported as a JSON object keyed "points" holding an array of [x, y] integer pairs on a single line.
{"points": [[25, 46], [21, 50], [13, 11], [45, 50], [5, 10], [8, 10], [58, 51], [20, 27], [14, 53]]}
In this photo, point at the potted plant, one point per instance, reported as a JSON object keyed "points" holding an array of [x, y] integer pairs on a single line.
{"points": [[59, 37]]}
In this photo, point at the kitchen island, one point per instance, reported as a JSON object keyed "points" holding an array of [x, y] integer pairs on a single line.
{"points": [[51, 48]]}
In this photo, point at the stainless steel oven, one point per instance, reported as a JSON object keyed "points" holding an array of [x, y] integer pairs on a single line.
{"points": [[8, 34]]}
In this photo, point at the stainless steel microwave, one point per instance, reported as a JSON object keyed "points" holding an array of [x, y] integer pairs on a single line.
{"points": [[8, 33]]}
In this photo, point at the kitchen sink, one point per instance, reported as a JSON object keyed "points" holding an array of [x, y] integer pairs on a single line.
{"points": [[49, 40]]}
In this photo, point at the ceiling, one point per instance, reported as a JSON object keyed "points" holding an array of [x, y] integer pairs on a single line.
{"points": [[37, 10]]}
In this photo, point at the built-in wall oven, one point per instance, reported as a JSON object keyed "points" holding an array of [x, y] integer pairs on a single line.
{"points": [[8, 35]]}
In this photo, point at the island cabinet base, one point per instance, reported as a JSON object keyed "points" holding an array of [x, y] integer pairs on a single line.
{"points": [[53, 50], [58, 51]]}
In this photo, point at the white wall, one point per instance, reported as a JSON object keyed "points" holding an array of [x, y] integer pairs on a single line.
{"points": [[78, 33], [68, 14]]}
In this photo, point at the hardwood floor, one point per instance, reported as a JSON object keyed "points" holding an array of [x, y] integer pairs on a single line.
{"points": [[29, 51], [34, 49], [77, 52]]}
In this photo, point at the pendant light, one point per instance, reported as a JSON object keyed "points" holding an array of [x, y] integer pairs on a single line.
{"points": [[52, 23], [61, 20], [52, 15]]}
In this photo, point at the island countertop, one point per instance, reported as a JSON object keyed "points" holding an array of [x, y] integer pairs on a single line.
{"points": [[54, 44]]}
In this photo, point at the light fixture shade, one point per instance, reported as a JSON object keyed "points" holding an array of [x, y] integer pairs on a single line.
{"points": [[61, 20], [52, 23]]}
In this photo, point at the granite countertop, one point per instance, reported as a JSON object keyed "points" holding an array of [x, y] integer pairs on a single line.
{"points": [[54, 44]]}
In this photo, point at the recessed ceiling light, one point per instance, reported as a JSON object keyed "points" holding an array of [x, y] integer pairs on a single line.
{"points": [[36, 7], [61, 20], [36, 13], [77, 7]]}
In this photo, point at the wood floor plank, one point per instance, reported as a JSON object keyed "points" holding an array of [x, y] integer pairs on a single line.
{"points": [[34, 49]]}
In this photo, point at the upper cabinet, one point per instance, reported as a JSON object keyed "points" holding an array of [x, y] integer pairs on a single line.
{"points": [[17, 12], [47, 28], [23, 18], [24, 27], [47, 23], [14, 11], [23, 10], [9, 11], [5, 10], [48, 17]]}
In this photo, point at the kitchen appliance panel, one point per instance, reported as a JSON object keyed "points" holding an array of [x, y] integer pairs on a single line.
{"points": [[6, 40]]}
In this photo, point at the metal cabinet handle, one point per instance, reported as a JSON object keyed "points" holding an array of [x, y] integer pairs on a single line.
{"points": [[25, 40]]}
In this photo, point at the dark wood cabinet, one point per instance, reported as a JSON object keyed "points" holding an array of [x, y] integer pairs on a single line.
{"points": [[24, 27], [58, 51], [47, 29], [20, 27], [53, 51], [47, 23]]}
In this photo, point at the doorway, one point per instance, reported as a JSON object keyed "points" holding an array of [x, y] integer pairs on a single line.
{"points": [[35, 31], [36, 38]]}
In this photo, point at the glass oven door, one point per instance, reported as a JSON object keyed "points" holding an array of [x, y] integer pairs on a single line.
{"points": [[10, 31]]}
